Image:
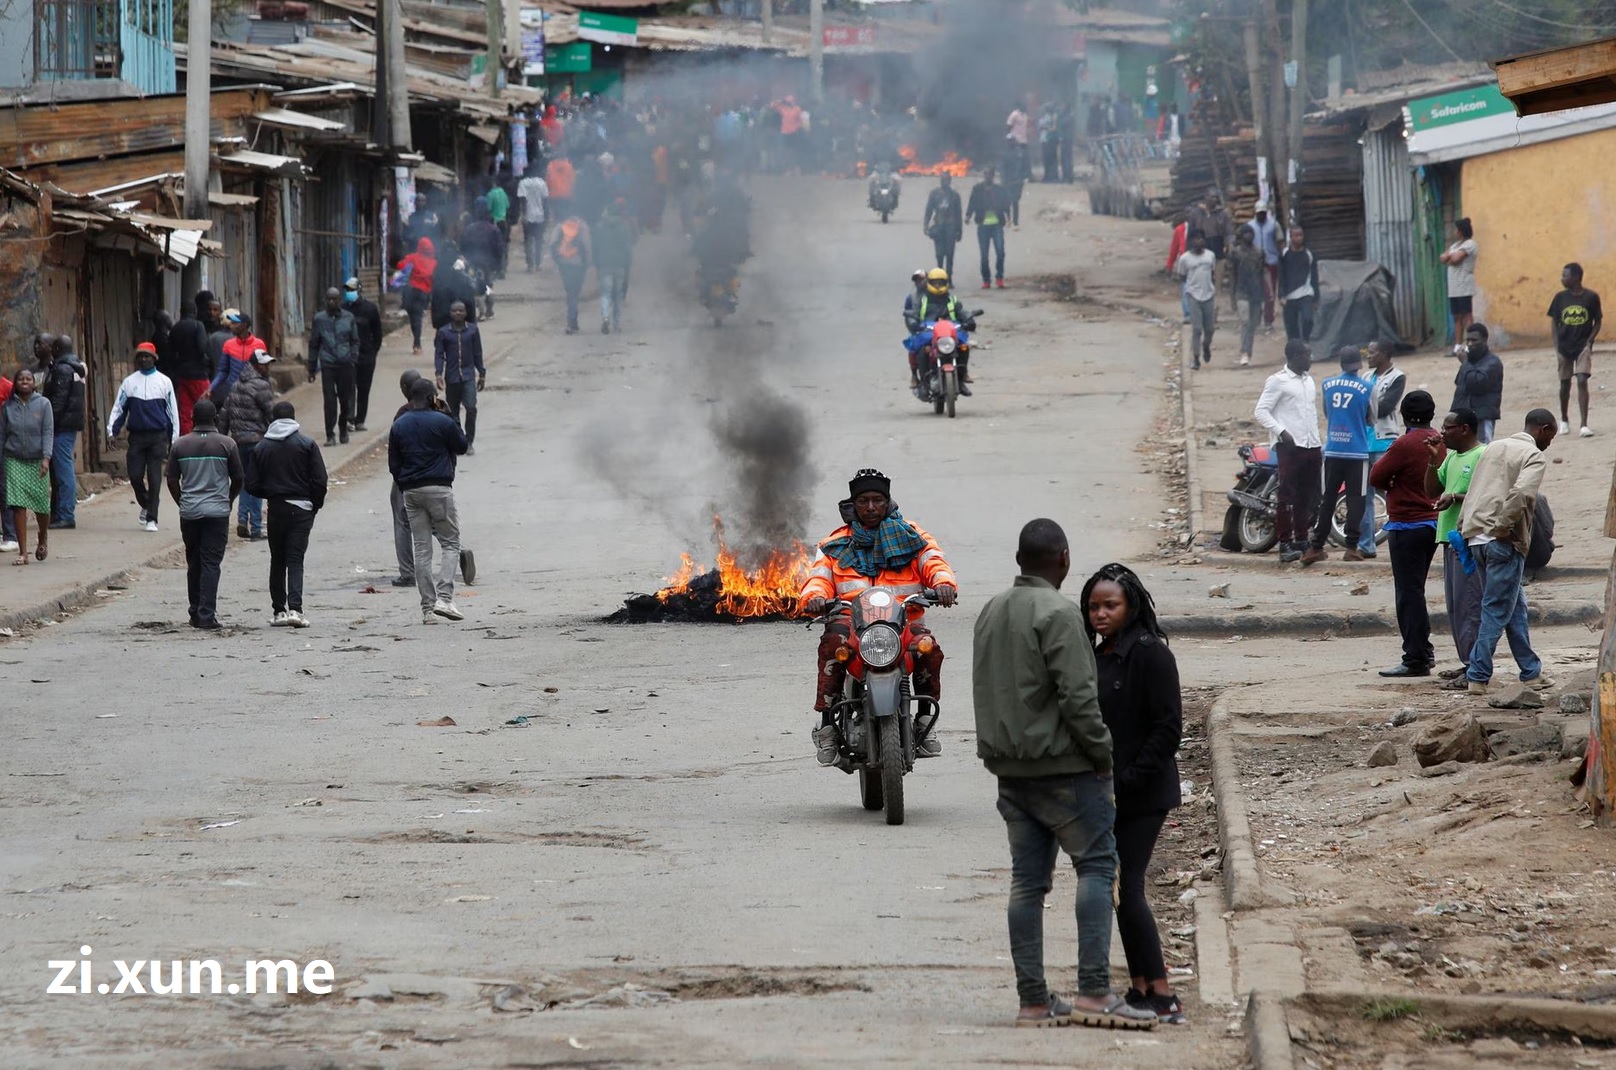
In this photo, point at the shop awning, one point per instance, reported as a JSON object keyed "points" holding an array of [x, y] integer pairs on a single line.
{"points": [[297, 119], [264, 161], [435, 173], [486, 133]]}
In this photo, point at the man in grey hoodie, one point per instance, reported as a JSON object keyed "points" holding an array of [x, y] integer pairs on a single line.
{"points": [[286, 469], [204, 477]]}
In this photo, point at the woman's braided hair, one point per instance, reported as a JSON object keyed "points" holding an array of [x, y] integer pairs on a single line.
{"points": [[1141, 607]]}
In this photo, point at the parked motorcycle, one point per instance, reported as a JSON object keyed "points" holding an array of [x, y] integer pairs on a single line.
{"points": [[944, 362], [884, 189], [879, 717], [1249, 523]]}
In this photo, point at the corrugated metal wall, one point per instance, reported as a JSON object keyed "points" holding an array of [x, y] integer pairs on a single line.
{"points": [[234, 275], [1389, 236]]}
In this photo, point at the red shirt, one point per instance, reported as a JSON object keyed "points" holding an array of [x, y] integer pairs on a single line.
{"points": [[1400, 472]]}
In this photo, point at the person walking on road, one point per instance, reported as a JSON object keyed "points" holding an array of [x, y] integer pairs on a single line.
{"points": [[421, 452], [570, 252], [1479, 382], [1461, 578], [237, 354], [1460, 257], [334, 360], [1298, 286], [1346, 455], [204, 477], [1040, 730], [148, 404], [1496, 523], [1576, 315], [1267, 230], [287, 471], [457, 358], [64, 389], [944, 221], [193, 358], [368, 318], [27, 436], [613, 244], [1289, 409], [1197, 267], [1386, 386], [989, 208], [245, 417], [414, 274], [1143, 709], [532, 192], [1246, 289], [1401, 472]]}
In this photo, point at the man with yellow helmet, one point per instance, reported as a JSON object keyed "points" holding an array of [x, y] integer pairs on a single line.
{"points": [[936, 302]]}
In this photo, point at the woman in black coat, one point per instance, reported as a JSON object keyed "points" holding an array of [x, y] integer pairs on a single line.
{"points": [[1139, 698]]}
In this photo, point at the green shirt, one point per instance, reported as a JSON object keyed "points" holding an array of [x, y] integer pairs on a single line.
{"points": [[1454, 475], [499, 204]]}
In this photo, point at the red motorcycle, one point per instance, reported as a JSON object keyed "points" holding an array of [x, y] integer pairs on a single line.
{"points": [[944, 363]]}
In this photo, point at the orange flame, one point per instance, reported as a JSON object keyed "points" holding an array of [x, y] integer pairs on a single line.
{"points": [[770, 589], [952, 163]]}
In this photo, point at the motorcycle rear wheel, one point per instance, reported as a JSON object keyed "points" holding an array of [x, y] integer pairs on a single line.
{"points": [[1258, 533], [885, 214], [892, 768], [870, 793], [1230, 540]]}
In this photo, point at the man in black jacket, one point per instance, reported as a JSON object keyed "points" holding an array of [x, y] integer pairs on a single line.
{"points": [[989, 209], [944, 221], [1479, 383], [421, 452], [287, 470], [64, 389], [1298, 286], [193, 364], [369, 320]]}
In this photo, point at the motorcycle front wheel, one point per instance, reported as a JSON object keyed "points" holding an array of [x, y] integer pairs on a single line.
{"points": [[950, 392], [1257, 532], [892, 767], [1338, 522]]}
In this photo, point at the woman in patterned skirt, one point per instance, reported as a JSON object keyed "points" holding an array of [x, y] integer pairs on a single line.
{"points": [[27, 435]]}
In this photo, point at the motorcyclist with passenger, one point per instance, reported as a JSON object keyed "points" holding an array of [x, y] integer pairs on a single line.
{"points": [[874, 547], [937, 301]]}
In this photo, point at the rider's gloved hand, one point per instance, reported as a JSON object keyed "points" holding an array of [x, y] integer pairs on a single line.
{"points": [[947, 594], [814, 606]]}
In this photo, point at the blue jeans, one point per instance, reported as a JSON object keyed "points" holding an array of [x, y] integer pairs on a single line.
{"points": [[1366, 528], [1045, 815], [64, 480], [1503, 613], [613, 288], [250, 511], [991, 237]]}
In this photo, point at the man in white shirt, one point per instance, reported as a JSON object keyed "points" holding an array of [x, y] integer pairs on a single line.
{"points": [[1289, 409], [532, 191], [1196, 266]]}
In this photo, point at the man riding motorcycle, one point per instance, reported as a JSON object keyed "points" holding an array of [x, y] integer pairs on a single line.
{"points": [[874, 547], [936, 302]]}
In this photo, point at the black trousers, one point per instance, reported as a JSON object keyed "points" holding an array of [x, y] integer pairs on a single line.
{"points": [[1297, 498], [148, 452], [1341, 473], [1299, 318], [205, 539], [338, 382], [1136, 925], [364, 373], [289, 528], [1411, 553]]}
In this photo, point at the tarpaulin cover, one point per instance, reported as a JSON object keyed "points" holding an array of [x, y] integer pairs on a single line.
{"points": [[1355, 306]]}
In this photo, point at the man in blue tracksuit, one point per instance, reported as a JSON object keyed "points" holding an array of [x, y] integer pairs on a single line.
{"points": [[1346, 454], [148, 406]]}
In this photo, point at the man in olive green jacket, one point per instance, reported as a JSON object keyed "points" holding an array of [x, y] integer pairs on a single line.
{"points": [[1039, 730]]}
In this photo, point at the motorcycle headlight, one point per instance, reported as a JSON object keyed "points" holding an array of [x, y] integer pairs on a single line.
{"points": [[946, 346], [879, 646]]}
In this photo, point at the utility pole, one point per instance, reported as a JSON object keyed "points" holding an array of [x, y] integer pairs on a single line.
{"points": [[768, 21], [816, 49], [496, 45], [398, 85], [1299, 102], [198, 127], [1259, 104]]}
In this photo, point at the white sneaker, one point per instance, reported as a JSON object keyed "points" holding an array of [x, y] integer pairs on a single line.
{"points": [[1586, 432], [1565, 427], [427, 617], [9, 546], [1245, 361], [151, 525], [298, 620], [142, 521], [447, 609], [282, 619]]}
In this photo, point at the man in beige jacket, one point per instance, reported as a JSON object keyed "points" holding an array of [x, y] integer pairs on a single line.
{"points": [[1497, 528]]}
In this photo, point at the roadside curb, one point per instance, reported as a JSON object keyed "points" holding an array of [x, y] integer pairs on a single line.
{"points": [[1268, 1035], [1192, 463], [1483, 1013], [1364, 622], [1242, 880], [84, 594]]}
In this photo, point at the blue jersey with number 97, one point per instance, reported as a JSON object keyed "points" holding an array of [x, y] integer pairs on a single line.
{"points": [[1346, 412]]}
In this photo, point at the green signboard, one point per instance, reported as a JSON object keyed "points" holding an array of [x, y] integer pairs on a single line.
{"points": [[608, 29], [574, 58], [1460, 106]]}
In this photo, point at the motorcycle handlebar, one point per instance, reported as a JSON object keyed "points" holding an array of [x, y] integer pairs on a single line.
{"points": [[926, 598]]}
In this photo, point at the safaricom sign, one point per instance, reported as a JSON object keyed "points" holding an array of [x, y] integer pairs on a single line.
{"points": [[1453, 111], [1462, 106]]}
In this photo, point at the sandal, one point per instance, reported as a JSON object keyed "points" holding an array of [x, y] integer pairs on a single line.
{"points": [[1116, 1015], [41, 551], [1055, 1014], [22, 559]]}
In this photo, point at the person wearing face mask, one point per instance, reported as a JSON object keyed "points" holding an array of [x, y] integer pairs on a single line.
{"points": [[149, 407], [1479, 383], [27, 437], [368, 318]]}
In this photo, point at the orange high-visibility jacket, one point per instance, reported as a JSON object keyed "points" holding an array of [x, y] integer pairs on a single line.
{"points": [[828, 579]]}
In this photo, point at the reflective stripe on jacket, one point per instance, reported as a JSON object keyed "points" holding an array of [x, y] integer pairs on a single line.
{"points": [[829, 579]]}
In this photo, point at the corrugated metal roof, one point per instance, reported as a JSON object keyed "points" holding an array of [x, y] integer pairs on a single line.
{"points": [[287, 117], [264, 161]]}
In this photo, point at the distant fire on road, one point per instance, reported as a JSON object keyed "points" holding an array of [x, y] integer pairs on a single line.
{"points": [[728, 591]]}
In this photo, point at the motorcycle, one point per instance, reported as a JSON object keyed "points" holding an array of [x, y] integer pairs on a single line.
{"points": [[720, 293], [877, 716], [1249, 523], [944, 362], [884, 189]]}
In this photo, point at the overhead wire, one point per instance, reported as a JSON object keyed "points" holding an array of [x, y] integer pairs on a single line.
{"points": [[1436, 36]]}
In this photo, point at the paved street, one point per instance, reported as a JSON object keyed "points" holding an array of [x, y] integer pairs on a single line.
{"points": [[659, 820]]}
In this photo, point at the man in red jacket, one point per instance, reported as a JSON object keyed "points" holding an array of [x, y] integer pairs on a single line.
{"points": [[1411, 527]]}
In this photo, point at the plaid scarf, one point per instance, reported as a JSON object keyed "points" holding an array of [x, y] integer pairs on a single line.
{"points": [[871, 551]]}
